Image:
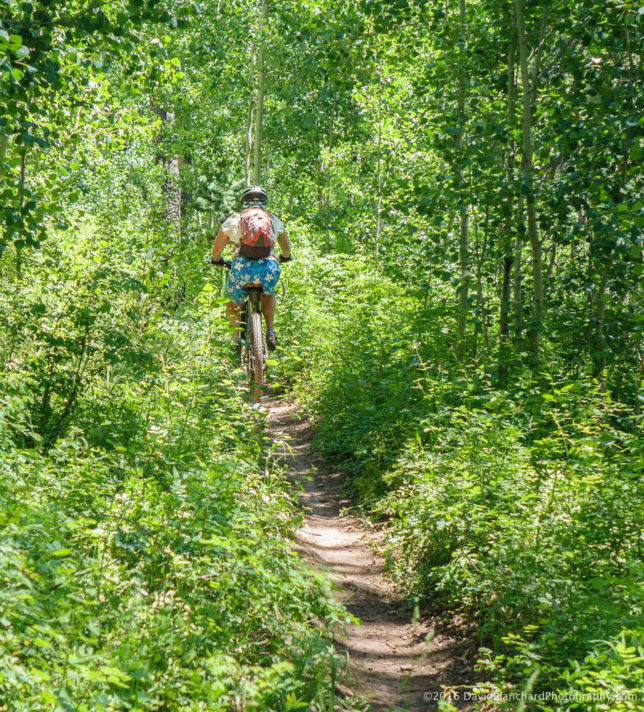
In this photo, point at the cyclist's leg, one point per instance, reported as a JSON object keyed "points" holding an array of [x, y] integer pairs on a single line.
{"points": [[268, 309], [232, 312], [270, 278], [235, 289]]}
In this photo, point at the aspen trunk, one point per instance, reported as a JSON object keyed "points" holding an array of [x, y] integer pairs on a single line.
{"points": [[479, 254], [248, 137], [527, 184], [598, 339], [378, 189], [463, 251], [172, 192], [21, 191], [517, 278], [508, 254], [259, 96]]}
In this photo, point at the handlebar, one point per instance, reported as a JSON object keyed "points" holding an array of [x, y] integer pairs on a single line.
{"points": [[220, 263], [228, 263]]}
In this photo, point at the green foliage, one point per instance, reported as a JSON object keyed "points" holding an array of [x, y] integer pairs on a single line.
{"points": [[609, 679], [146, 558], [120, 592], [146, 562], [520, 506]]}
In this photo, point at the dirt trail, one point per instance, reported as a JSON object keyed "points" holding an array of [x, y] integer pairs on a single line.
{"points": [[395, 665]]}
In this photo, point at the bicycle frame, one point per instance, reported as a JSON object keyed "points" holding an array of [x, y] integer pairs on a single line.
{"points": [[252, 304]]}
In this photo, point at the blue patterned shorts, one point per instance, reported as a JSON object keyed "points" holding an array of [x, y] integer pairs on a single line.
{"points": [[244, 271]]}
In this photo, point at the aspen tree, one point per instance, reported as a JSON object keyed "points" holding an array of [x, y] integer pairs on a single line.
{"points": [[463, 249], [527, 182], [259, 94]]}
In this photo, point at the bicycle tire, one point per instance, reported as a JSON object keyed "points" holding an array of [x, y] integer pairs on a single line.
{"points": [[256, 350]]}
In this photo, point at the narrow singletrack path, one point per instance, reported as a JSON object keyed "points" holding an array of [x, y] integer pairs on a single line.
{"points": [[391, 662]]}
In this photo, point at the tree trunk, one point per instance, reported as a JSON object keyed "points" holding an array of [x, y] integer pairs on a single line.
{"points": [[248, 135], [172, 185], [259, 96], [378, 189], [172, 189], [527, 184], [21, 194], [463, 252], [508, 254], [480, 255], [517, 279], [598, 339]]}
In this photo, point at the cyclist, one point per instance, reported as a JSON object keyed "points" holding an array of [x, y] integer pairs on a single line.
{"points": [[248, 270]]}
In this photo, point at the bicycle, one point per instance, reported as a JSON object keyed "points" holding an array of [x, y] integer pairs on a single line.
{"points": [[252, 344]]}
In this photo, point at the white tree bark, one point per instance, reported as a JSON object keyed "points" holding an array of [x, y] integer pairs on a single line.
{"points": [[259, 95]]}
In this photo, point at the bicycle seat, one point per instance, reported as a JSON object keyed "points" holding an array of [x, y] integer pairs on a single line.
{"points": [[254, 286]]}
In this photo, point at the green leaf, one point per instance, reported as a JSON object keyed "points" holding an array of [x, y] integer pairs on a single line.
{"points": [[60, 553], [41, 642], [38, 309]]}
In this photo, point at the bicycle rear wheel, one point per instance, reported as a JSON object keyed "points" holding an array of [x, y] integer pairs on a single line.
{"points": [[257, 361]]}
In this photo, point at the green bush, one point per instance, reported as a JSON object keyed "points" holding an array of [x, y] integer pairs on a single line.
{"points": [[609, 679], [120, 592], [519, 505], [146, 560]]}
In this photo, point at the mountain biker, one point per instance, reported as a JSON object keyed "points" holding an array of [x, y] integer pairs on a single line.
{"points": [[247, 270]]}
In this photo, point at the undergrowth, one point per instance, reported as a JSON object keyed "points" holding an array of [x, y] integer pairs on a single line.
{"points": [[516, 502], [145, 559]]}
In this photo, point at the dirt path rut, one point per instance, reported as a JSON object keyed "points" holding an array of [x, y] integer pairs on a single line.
{"points": [[397, 666]]}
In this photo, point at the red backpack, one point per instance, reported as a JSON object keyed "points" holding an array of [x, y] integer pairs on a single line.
{"points": [[257, 233]]}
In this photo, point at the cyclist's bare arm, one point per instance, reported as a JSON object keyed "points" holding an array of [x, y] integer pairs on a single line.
{"points": [[284, 243], [218, 245]]}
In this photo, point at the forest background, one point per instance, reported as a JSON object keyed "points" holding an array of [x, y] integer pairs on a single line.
{"points": [[462, 185]]}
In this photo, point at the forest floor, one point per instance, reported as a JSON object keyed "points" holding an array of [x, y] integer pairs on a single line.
{"points": [[394, 663]]}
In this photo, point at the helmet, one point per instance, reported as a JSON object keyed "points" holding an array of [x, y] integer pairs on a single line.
{"points": [[254, 194]]}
